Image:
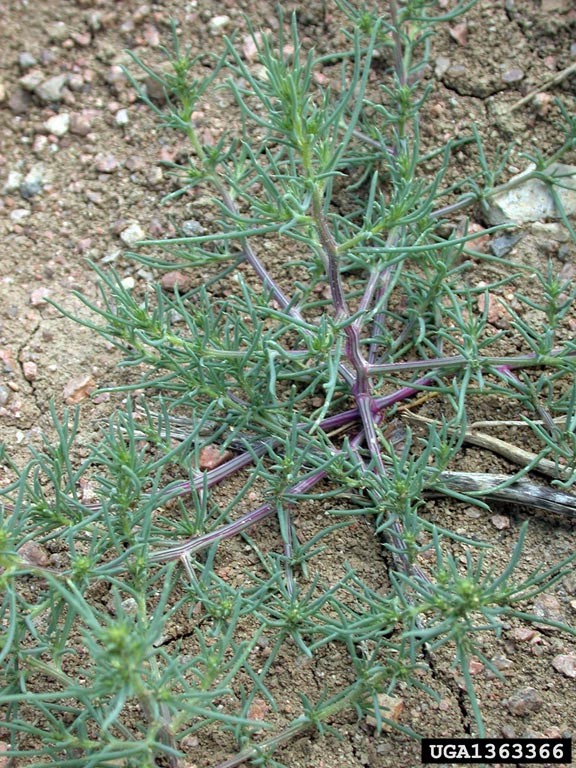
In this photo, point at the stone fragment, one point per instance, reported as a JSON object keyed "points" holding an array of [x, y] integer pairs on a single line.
{"points": [[391, 708], [78, 389], [442, 65], [531, 199], [57, 31], [217, 23], [31, 80], [211, 456], [26, 60], [38, 296], [132, 235], [128, 282], [566, 664], [513, 75], [13, 182], [34, 554], [19, 101], [176, 280], [106, 163], [33, 181], [547, 607], [19, 214], [459, 33], [58, 125], [30, 370], [524, 702], [50, 90], [121, 118], [80, 123], [502, 245]]}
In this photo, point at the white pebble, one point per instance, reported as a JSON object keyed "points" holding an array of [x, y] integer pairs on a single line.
{"points": [[122, 117], [58, 125], [132, 234], [217, 24]]}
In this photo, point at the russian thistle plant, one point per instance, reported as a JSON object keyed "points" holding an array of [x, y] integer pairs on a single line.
{"points": [[298, 372]]}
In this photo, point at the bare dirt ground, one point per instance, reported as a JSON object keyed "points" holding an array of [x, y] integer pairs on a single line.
{"points": [[77, 188]]}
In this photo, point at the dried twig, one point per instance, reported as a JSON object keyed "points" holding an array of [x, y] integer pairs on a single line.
{"points": [[558, 78]]}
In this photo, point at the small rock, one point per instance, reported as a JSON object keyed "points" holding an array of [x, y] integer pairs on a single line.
{"points": [[211, 457], [176, 280], [151, 36], [551, 229], [81, 123], [122, 117], [75, 83], [57, 32], [498, 316], [192, 228], [33, 181], [501, 246], [135, 163], [94, 20], [565, 663], [5, 395], [524, 702], [442, 65], [475, 666], [26, 61], [513, 75], [30, 370], [58, 125], [78, 389], [542, 103], [141, 14], [128, 282], [217, 23], [526, 635], [3, 91], [50, 90], [13, 182], [111, 257], [82, 39], [19, 214], [39, 296], [34, 554], [531, 200], [132, 235], [547, 607], [31, 80], [40, 144], [106, 163], [155, 176], [391, 707], [250, 47], [19, 101], [500, 522], [459, 33]]}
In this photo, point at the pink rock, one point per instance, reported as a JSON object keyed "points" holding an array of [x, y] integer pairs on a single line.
{"points": [[459, 33], [78, 389], [81, 123], [565, 663], [211, 457], [38, 296], [106, 163], [30, 370], [176, 280]]}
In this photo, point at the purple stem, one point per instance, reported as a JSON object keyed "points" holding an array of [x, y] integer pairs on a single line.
{"points": [[232, 529]]}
